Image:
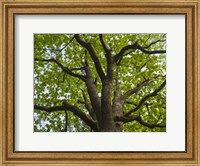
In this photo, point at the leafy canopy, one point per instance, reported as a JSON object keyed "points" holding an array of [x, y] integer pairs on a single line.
{"points": [[53, 85]]}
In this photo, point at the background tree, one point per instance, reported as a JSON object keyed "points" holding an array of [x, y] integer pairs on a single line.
{"points": [[99, 82]]}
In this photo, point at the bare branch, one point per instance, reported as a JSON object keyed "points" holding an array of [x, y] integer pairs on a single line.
{"points": [[126, 119], [93, 55], [88, 106], [78, 69], [71, 108], [49, 109], [65, 69], [53, 49], [154, 43], [65, 46], [136, 89], [136, 46], [150, 52], [66, 121], [105, 47], [92, 91], [154, 93], [151, 126], [124, 49], [146, 40]]}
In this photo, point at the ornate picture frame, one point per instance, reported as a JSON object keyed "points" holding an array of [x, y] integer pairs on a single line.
{"points": [[10, 8]]}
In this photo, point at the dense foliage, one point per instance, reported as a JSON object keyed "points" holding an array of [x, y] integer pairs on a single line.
{"points": [[68, 98]]}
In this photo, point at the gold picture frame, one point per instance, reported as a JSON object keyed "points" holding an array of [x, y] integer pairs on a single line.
{"points": [[9, 8]]}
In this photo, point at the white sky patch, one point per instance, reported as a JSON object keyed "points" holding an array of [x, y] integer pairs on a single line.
{"points": [[116, 37], [59, 91], [44, 123], [35, 96], [62, 117], [130, 42], [129, 74], [66, 96], [35, 115], [46, 91], [128, 56], [61, 98], [113, 52], [143, 69]]}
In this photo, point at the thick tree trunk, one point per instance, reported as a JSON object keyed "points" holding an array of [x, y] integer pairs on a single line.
{"points": [[117, 106], [109, 111], [108, 123], [117, 112]]}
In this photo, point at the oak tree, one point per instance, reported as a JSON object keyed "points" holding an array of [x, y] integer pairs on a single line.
{"points": [[99, 82]]}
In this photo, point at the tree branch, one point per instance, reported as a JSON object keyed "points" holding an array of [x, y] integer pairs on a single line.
{"points": [[118, 56], [78, 69], [146, 40], [154, 93], [136, 46], [93, 55], [154, 43], [126, 119], [71, 108], [105, 47], [88, 106], [66, 121], [49, 109], [151, 126], [65, 69], [110, 59], [93, 92], [150, 52], [65, 46], [136, 89]]}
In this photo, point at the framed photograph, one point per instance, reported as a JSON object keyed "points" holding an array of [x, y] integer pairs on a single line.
{"points": [[99, 82]]}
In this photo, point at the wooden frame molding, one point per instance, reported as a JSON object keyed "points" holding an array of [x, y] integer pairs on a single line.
{"points": [[10, 8]]}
